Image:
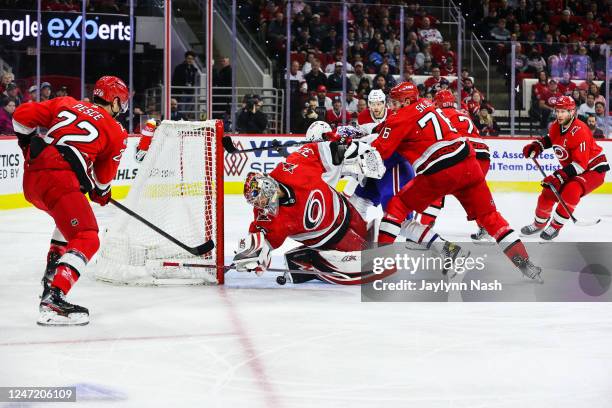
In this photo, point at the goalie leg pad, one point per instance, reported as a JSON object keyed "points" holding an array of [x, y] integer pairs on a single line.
{"points": [[303, 258]]}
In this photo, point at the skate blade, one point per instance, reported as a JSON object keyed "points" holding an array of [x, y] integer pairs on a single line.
{"points": [[51, 318]]}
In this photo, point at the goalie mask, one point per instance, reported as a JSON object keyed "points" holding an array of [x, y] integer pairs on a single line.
{"points": [[261, 191]]}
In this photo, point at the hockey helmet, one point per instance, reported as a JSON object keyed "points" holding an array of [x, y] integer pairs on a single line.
{"points": [[405, 93], [376, 95], [565, 102], [317, 130], [445, 99], [109, 87]]}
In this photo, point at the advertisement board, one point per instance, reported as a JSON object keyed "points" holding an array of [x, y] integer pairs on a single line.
{"points": [[508, 171], [63, 30]]}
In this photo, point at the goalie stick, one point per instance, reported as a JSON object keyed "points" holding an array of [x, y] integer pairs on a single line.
{"points": [[562, 202], [229, 146], [198, 250], [281, 279]]}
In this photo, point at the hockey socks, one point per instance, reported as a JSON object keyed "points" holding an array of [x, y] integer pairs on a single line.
{"points": [[67, 271]]}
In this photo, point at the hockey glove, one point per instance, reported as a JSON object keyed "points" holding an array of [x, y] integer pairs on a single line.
{"points": [[364, 160], [253, 254], [556, 180], [99, 196], [145, 139], [533, 149]]}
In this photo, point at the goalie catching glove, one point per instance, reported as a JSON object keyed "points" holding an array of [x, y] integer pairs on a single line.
{"points": [[363, 160], [253, 254]]}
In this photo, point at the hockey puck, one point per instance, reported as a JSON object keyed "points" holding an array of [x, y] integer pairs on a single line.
{"points": [[281, 280]]}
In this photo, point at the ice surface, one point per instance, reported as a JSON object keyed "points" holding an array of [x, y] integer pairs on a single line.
{"points": [[253, 343]]}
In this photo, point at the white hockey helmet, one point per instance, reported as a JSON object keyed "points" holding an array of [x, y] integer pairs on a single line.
{"points": [[316, 131], [376, 95]]}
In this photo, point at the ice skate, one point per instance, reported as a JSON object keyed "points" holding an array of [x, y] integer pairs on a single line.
{"points": [[527, 268], [56, 311]]}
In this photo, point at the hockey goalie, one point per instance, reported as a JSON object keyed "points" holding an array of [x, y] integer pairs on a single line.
{"points": [[297, 200]]}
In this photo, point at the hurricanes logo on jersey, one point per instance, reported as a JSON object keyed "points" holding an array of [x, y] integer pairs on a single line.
{"points": [[560, 152], [314, 211]]}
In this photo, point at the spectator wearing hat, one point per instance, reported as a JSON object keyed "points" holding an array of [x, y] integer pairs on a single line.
{"points": [[12, 92], [63, 91], [331, 67], [335, 80], [323, 100], [317, 29], [358, 75], [315, 77], [336, 114], [32, 94], [45, 91], [566, 26], [6, 117]]}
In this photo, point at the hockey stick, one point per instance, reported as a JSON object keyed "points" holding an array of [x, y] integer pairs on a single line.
{"points": [[344, 279], [562, 202], [198, 251], [229, 147]]}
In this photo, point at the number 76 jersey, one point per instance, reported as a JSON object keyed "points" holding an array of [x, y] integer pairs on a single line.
{"points": [[86, 136], [422, 134]]}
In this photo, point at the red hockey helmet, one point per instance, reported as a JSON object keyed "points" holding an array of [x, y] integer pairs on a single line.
{"points": [[445, 99], [109, 87], [565, 102], [404, 93]]}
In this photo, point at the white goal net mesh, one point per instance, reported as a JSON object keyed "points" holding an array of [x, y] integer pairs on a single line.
{"points": [[179, 190]]}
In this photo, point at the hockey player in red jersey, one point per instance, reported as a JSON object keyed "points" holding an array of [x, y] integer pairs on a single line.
{"points": [[583, 168], [79, 154], [461, 121], [444, 163], [296, 200]]}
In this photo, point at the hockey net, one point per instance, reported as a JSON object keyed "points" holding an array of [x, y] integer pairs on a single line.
{"points": [[179, 188]]}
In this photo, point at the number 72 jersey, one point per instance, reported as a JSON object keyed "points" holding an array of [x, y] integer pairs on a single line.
{"points": [[422, 134], [87, 137]]}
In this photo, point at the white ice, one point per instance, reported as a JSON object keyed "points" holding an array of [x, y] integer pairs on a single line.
{"points": [[252, 343]]}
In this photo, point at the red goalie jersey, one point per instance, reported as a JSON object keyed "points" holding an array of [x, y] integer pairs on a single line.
{"points": [[576, 146], [311, 211], [86, 136], [422, 134]]}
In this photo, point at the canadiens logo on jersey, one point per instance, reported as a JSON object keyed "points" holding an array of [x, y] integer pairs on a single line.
{"points": [[289, 167], [560, 152]]}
